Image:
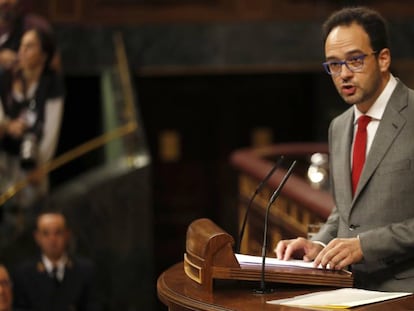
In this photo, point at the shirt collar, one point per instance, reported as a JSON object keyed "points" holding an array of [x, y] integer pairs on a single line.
{"points": [[60, 265], [377, 109]]}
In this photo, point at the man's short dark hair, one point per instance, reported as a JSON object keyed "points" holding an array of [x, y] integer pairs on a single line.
{"points": [[371, 21]]}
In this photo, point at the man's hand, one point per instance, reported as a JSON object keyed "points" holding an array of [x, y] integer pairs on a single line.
{"points": [[297, 248], [340, 253]]}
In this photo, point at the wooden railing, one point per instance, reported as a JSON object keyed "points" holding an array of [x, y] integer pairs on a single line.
{"points": [[298, 205]]}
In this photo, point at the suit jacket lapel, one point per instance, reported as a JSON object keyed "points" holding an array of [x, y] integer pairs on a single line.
{"points": [[343, 166], [68, 268], [388, 129]]}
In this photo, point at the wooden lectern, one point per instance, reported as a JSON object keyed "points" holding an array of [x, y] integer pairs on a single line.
{"points": [[209, 255]]}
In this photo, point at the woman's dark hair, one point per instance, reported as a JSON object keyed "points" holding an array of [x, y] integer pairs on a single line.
{"points": [[47, 43], [371, 21]]}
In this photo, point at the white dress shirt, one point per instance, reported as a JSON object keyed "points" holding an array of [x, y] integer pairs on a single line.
{"points": [[60, 265], [375, 112]]}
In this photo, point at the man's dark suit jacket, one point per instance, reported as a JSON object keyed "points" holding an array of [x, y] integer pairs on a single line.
{"points": [[34, 289]]}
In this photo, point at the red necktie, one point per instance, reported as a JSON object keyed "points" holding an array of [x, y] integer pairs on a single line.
{"points": [[360, 146]]}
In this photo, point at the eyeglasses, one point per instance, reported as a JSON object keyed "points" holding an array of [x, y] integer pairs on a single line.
{"points": [[353, 63]]}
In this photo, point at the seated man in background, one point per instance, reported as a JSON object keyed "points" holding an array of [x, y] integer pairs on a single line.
{"points": [[6, 295], [54, 280]]}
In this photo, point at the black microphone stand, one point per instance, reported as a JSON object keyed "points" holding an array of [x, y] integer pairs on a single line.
{"points": [[263, 289], [256, 192]]}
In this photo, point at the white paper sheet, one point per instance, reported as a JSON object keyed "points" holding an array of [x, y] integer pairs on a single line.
{"points": [[248, 259], [339, 299]]}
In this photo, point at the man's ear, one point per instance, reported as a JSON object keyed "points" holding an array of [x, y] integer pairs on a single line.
{"points": [[384, 59]]}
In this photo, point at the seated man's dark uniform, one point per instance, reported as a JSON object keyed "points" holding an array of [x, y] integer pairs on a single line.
{"points": [[37, 289]]}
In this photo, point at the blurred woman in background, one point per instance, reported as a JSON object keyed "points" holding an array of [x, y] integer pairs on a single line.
{"points": [[31, 108]]}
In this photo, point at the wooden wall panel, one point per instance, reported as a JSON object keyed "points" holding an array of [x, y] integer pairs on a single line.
{"points": [[139, 11], [320, 9], [158, 2], [127, 12], [65, 11], [301, 10], [161, 11]]}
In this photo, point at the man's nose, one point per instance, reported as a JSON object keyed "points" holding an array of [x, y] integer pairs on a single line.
{"points": [[345, 71]]}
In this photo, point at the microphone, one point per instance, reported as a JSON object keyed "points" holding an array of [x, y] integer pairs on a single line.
{"points": [[275, 195], [256, 192]]}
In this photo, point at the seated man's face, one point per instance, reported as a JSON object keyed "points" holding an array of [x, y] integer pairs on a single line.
{"points": [[52, 235], [5, 290]]}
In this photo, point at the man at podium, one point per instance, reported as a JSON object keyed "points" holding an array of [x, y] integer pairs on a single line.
{"points": [[371, 229]]}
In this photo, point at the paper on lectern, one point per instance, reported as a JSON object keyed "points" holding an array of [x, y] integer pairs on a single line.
{"points": [[248, 259], [339, 299]]}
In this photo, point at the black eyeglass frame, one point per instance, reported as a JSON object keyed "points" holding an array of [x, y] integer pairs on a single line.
{"points": [[345, 62]]}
